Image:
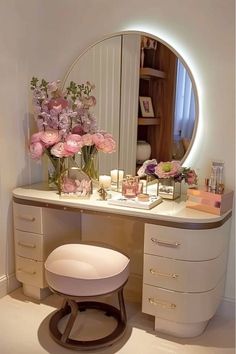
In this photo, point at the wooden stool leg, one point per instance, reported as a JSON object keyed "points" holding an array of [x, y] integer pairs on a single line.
{"points": [[122, 306], [73, 315]]}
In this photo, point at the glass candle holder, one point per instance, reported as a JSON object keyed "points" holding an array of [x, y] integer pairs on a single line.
{"points": [[105, 181], [116, 179]]}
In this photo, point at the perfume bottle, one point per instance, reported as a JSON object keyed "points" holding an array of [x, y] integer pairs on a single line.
{"points": [[131, 187]]}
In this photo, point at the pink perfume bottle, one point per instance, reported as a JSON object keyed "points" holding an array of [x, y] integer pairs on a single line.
{"points": [[131, 187]]}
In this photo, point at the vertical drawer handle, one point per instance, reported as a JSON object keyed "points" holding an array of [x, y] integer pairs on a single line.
{"points": [[164, 304], [27, 217], [168, 275], [165, 243], [26, 271], [28, 245]]}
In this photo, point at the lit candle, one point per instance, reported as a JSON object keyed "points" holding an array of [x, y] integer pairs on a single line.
{"points": [[117, 175], [105, 181]]}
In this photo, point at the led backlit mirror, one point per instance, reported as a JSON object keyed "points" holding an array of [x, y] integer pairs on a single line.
{"points": [[145, 92]]}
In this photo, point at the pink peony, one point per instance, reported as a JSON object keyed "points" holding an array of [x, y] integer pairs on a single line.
{"points": [[73, 143], [68, 185], [87, 139], [59, 150], [168, 169], [36, 150], [50, 137], [108, 145]]}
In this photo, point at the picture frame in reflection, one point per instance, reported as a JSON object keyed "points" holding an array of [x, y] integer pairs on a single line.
{"points": [[146, 106]]}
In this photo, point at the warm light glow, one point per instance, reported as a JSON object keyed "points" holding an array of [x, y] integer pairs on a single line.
{"points": [[174, 44]]}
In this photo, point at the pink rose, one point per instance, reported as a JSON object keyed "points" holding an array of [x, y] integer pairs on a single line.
{"points": [[87, 139], [59, 150], [36, 150], [68, 185], [167, 169], [50, 137], [73, 143]]}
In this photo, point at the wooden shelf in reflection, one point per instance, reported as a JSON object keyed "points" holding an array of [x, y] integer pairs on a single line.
{"points": [[149, 73], [148, 121]]}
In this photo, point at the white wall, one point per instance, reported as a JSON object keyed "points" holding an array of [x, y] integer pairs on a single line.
{"points": [[43, 37]]}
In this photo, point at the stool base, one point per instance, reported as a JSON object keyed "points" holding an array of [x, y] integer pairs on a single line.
{"points": [[71, 306]]}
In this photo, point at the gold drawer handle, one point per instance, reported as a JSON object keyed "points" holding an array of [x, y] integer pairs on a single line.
{"points": [[27, 218], [168, 275], [28, 245], [163, 304], [26, 271], [165, 243]]}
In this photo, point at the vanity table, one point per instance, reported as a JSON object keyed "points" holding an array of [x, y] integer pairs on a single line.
{"points": [[184, 251]]}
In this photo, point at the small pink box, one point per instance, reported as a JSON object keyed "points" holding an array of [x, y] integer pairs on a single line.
{"points": [[200, 199]]}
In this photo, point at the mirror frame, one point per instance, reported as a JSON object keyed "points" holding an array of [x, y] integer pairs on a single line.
{"points": [[196, 122]]}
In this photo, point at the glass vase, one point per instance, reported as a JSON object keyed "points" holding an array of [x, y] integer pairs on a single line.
{"points": [[75, 183], [56, 170], [90, 166], [168, 188]]}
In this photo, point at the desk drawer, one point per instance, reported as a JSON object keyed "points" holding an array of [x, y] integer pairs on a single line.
{"points": [[192, 245], [29, 245], [28, 218], [181, 306], [30, 272], [183, 275]]}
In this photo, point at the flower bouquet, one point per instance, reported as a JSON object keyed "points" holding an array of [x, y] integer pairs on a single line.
{"points": [[66, 127], [168, 174]]}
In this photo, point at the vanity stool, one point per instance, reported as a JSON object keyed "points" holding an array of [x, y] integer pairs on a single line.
{"points": [[79, 271]]}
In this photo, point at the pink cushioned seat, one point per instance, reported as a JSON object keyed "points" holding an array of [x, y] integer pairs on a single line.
{"points": [[86, 270]]}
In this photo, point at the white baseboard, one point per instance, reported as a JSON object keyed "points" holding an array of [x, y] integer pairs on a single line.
{"points": [[3, 286], [227, 308], [8, 284]]}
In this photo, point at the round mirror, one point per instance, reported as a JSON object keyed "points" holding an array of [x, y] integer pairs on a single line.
{"points": [[146, 97]]}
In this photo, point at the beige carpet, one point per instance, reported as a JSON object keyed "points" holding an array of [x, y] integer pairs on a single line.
{"points": [[24, 330]]}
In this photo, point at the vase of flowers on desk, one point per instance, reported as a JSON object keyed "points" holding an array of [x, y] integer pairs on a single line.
{"points": [[66, 128]]}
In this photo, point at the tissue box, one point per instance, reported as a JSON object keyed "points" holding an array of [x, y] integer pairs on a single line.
{"points": [[213, 203]]}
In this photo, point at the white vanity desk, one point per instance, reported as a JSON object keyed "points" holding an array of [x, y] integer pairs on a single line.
{"points": [[179, 254]]}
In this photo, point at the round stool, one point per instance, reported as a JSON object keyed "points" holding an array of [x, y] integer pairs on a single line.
{"points": [[76, 271]]}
